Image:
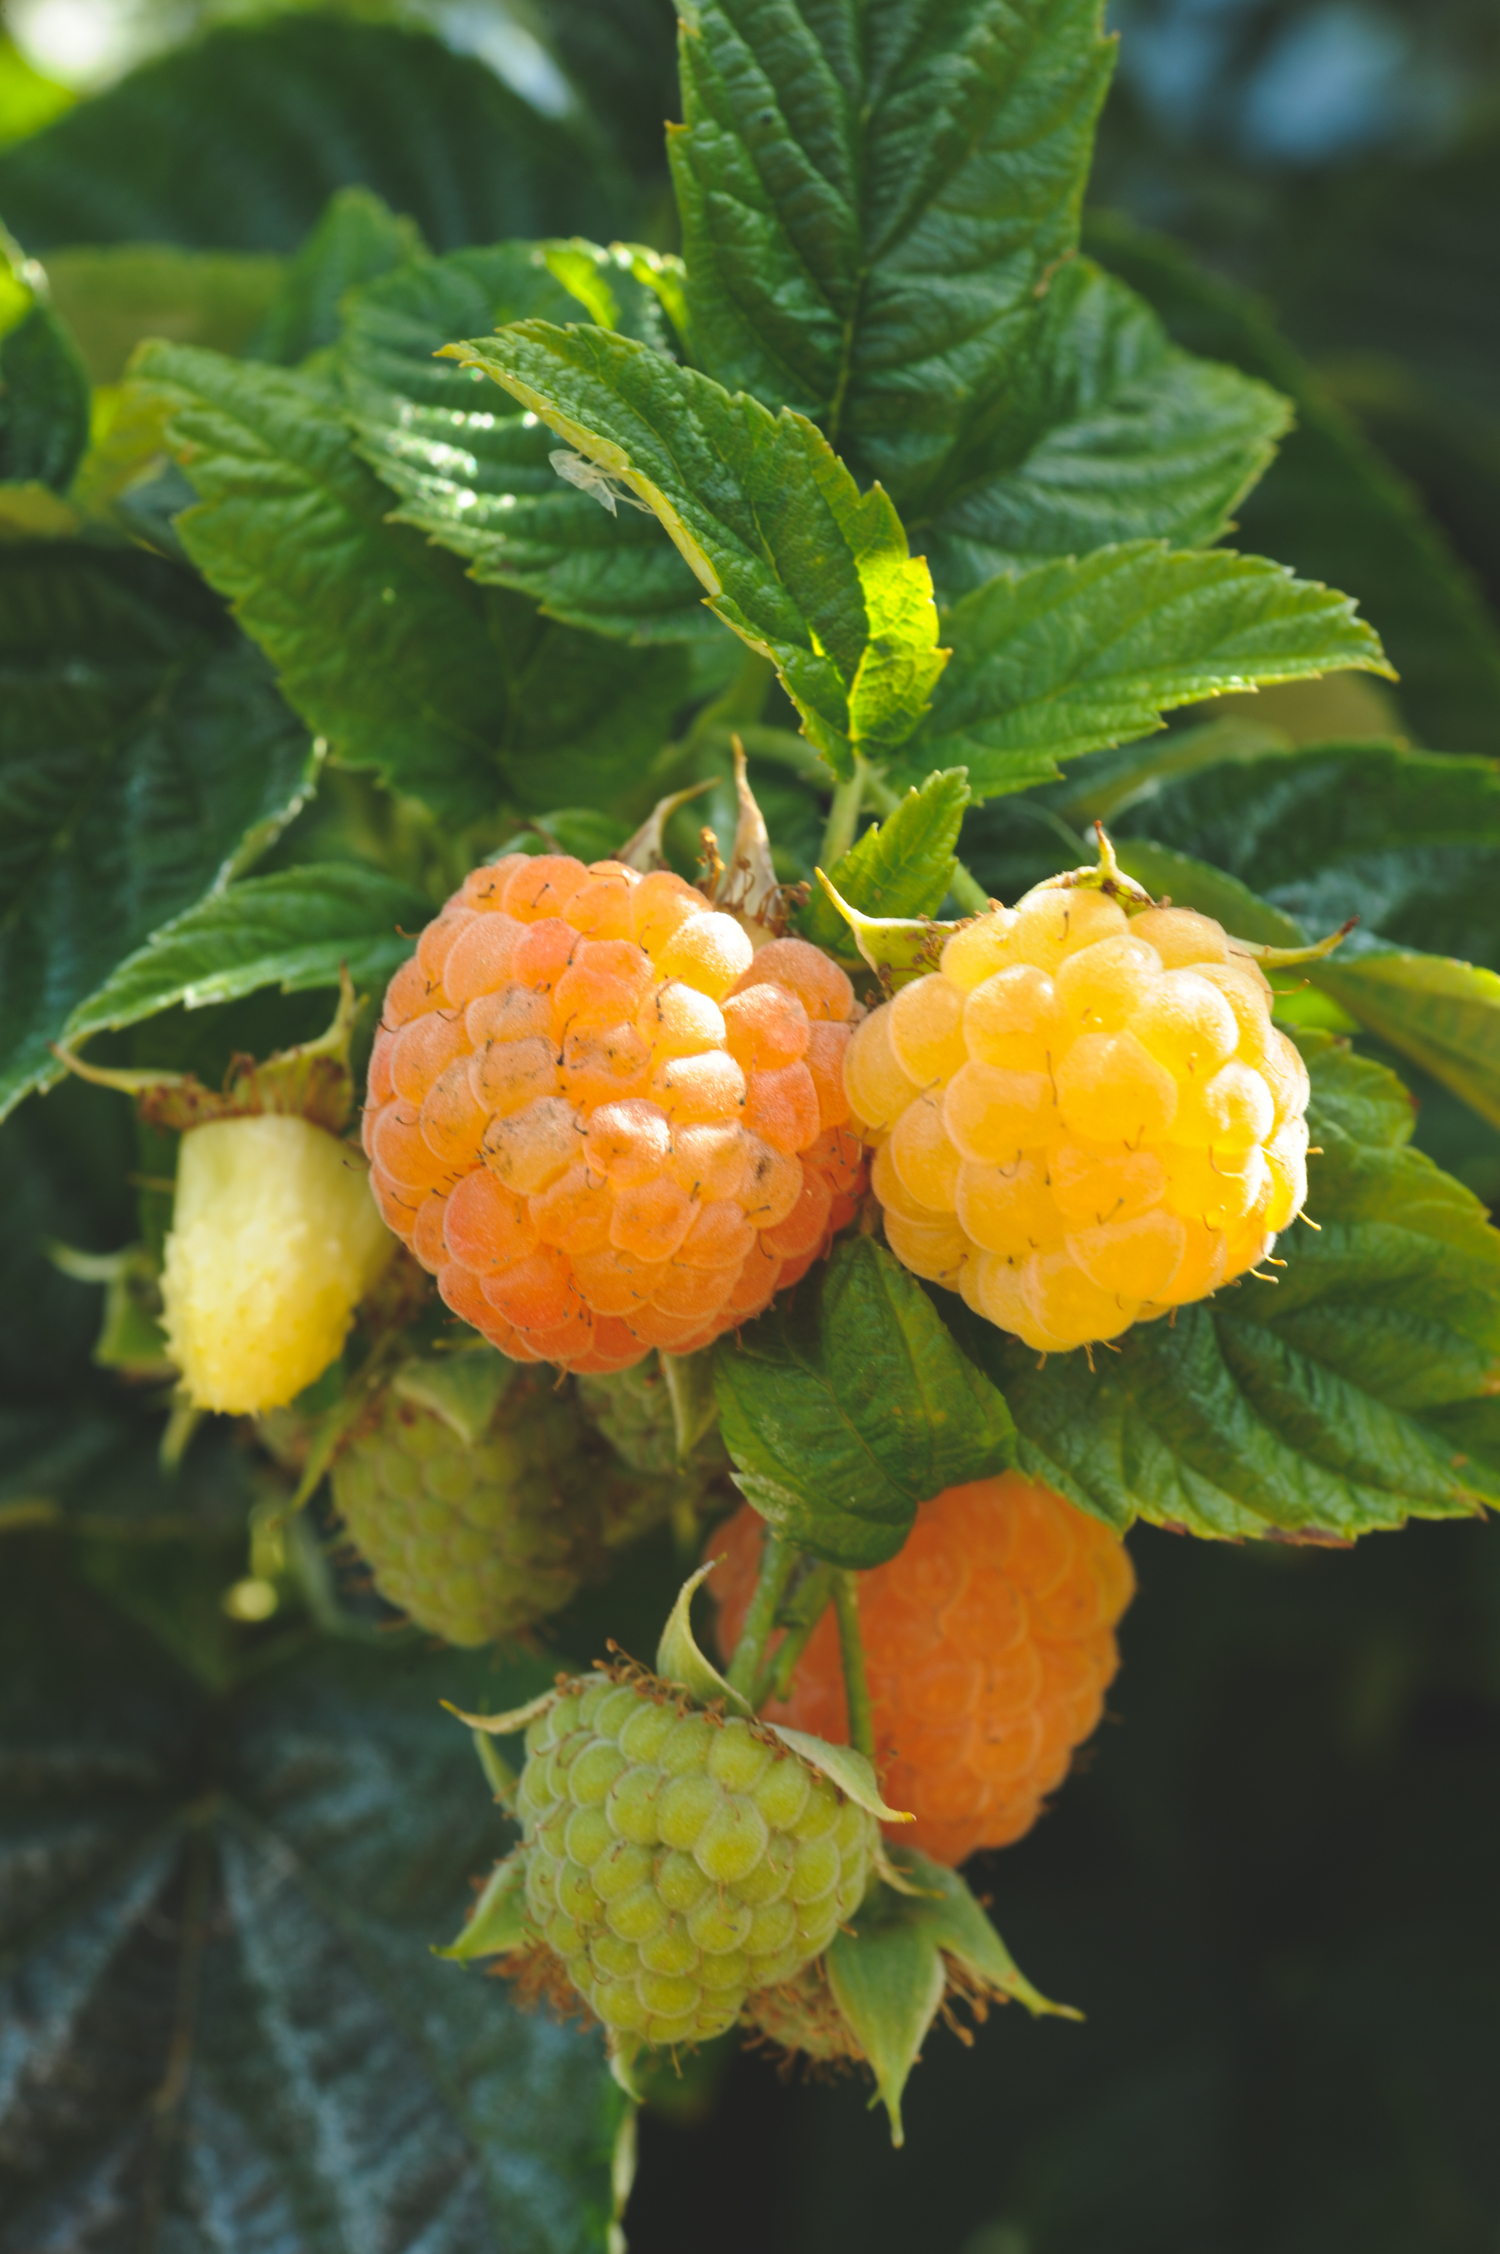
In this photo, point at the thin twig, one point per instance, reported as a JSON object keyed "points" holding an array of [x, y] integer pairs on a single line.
{"points": [[856, 1682]]}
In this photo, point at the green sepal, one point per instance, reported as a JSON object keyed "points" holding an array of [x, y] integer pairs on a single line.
{"points": [[464, 1389], [509, 1724], [842, 1766], [888, 1971], [897, 948], [497, 1923], [679, 1659]]}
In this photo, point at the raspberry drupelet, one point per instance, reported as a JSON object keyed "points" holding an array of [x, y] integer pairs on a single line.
{"points": [[989, 1644], [601, 1118]]}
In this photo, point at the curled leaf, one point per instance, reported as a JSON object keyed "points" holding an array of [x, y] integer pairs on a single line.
{"points": [[849, 1770]]}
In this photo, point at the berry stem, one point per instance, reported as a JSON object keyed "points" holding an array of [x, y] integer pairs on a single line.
{"points": [[856, 1682], [843, 815], [777, 1561], [807, 1606]]}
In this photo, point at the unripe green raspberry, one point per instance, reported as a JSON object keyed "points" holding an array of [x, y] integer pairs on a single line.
{"points": [[675, 1860], [801, 2016], [633, 1410], [475, 1527]]}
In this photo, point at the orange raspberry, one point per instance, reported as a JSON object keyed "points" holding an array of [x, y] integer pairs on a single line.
{"points": [[600, 1120], [989, 1644]]}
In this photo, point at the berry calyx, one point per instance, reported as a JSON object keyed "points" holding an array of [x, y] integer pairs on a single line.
{"points": [[601, 1118], [989, 1644], [1083, 1117]]}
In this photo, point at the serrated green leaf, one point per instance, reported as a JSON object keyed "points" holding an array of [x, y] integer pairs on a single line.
{"points": [[295, 930], [44, 386], [848, 1404], [357, 239], [872, 203], [1110, 433], [1443, 1014], [1306, 1405], [144, 756], [112, 295], [1074, 655], [902, 866], [217, 1917], [476, 478], [237, 141], [455, 694], [803, 567], [1408, 841], [1330, 506]]}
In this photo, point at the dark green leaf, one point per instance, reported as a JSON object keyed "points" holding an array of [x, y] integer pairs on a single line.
{"points": [[357, 238], [237, 142], [1330, 507], [448, 691], [1407, 841], [799, 563], [1111, 433], [848, 1404], [873, 201], [1308, 1405], [1445, 1015], [1074, 655], [901, 867], [294, 930], [114, 295], [622, 55], [144, 757], [225, 2022], [477, 479], [44, 388]]}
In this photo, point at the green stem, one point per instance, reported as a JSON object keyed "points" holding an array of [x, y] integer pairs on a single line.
{"points": [[856, 1682], [843, 815], [777, 1560], [969, 892], [810, 1604]]}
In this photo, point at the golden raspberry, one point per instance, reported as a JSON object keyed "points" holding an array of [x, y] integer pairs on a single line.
{"points": [[600, 1119], [989, 1645], [1082, 1119]]}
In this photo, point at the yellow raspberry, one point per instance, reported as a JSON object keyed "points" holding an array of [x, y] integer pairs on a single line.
{"points": [[274, 1242], [1083, 1118], [601, 1119]]}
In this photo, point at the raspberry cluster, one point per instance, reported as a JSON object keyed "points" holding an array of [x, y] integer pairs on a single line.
{"points": [[1082, 1119], [676, 1860], [601, 1119], [989, 1644]]}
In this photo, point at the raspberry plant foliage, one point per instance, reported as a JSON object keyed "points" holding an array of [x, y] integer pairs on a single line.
{"points": [[438, 539]]}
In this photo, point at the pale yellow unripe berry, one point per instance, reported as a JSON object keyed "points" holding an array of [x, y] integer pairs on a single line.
{"points": [[275, 1240]]}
